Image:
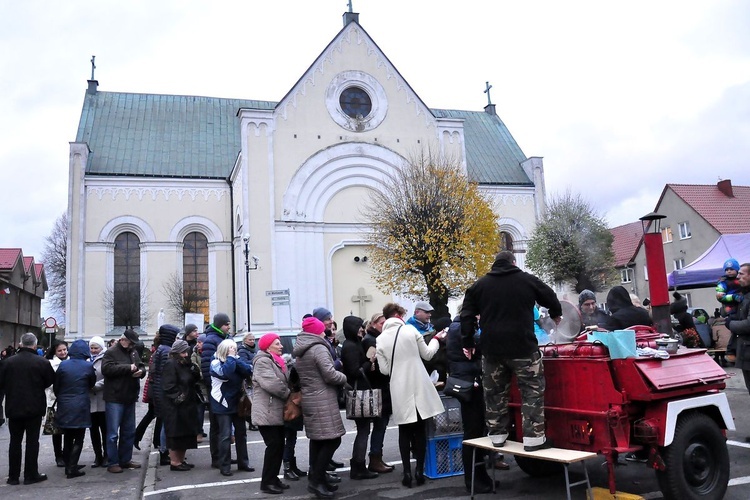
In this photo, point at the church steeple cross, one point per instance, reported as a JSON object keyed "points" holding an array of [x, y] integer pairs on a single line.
{"points": [[487, 91], [351, 8], [93, 67]]}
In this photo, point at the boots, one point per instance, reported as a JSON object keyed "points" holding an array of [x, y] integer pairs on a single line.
{"points": [[359, 471], [71, 467], [377, 464], [295, 469], [164, 458], [289, 473]]}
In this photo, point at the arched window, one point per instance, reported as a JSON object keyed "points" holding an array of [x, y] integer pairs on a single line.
{"points": [[195, 274], [506, 241], [127, 281]]}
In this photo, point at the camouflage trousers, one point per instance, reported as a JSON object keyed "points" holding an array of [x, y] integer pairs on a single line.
{"points": [[529, 373]]}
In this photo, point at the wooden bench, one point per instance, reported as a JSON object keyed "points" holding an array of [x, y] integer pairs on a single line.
{"points": [[565, 457]]}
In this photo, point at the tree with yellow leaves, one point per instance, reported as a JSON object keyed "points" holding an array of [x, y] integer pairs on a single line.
{"points": [[431, 230]]}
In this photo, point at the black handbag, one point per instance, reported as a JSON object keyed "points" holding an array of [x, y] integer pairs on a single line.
{"points": [[459, 388]]}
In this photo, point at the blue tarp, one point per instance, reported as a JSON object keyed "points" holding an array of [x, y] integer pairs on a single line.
{"points": [[708, 268]]}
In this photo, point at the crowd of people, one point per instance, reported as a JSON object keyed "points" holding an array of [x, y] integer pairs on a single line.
{"points": [[494, 338]]}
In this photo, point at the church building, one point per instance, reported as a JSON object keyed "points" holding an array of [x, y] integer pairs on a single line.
{"points": [[253, 208]]}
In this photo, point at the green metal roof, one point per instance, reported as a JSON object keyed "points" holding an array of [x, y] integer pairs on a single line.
{"points": [[492, 155], [162, 135], [199, 137]]}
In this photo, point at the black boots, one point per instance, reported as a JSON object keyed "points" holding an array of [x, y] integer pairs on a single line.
{"points": [[72, 469], [289, 473], [359, 471]]}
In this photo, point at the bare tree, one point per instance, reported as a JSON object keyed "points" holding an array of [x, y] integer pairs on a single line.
{"points": [[432, 231], [129, 306], [54, 258], [181, 299]]}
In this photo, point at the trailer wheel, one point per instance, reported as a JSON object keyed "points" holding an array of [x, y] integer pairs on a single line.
{"points": [[697, 461], [538, 468]]}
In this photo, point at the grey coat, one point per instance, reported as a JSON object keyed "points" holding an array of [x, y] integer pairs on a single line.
{"points": [[270, 390], [319, 381]]}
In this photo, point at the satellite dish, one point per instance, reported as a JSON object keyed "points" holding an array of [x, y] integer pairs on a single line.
{"points": [[569, 327]]}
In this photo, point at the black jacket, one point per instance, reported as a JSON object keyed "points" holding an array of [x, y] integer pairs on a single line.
{"points": [[24, 377], [356, 364], [623, 314], [180, 401], [505, 299], [119, 384], [377, 379], [458, 365]]}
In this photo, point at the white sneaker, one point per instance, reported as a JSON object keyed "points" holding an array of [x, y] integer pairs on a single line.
{"points": [[498, 439]]}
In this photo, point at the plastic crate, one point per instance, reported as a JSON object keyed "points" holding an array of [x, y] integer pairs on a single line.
{"points": [[443, 457], [446, 423]]}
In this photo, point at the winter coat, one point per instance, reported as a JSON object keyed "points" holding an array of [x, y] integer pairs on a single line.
{"points": [[356, 365], [120, 386], [458, 365], [412, 390], [623, 314], [96, 394], [73, 380], [167, 336], [505, 298], [741, 328], [270, 390], [179, 399], [320, 382], [23, 378], [214, 337], [377, 380], [226, 384]]}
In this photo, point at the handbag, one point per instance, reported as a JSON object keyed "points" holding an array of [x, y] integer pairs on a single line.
{"points": [[50, 428], [621, 343], [364, 403], [459, 388], [245, 404], [293, 406]]}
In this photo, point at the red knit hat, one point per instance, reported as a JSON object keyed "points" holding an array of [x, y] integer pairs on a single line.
{"points": [[266, 340], [313, 325]]}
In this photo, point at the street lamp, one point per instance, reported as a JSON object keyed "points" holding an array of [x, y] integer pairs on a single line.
{"points": [[657, 272], [248, 268]]}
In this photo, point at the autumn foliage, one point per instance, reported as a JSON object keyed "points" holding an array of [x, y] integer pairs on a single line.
{"points": [[432, 232]]}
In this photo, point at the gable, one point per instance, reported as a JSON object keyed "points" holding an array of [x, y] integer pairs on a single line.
{"points": [[626, 240], [727, 214]]}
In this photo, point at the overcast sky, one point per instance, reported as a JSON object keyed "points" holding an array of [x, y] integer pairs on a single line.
{"points": [[618, 97]]}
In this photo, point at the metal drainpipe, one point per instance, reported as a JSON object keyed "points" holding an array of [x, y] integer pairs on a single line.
{"points": [[231, 240]]}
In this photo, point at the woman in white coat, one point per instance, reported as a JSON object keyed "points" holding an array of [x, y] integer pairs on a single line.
{"points": [[415, 399]]}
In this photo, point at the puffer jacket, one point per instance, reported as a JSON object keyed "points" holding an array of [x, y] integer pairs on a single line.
{"points": [[167, 336], [214, 337], [73, 379], [319, 381], [270, 390], [226, 384]]}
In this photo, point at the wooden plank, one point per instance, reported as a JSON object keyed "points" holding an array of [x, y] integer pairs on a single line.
{"points": [[515, 448]]}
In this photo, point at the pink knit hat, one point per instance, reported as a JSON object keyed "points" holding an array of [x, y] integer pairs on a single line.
{"points": [[313, 325], [266, 340]]}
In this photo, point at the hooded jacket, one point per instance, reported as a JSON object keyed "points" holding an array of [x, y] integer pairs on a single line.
{"points": [[214, 336], [377, 380], [623, 314], [167, 336], [73, 379], [356, 363], [226, 384], [319, 381], [505, 299]]}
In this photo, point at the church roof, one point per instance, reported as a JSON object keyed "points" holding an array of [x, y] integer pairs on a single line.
{"points": [[199, 137]]}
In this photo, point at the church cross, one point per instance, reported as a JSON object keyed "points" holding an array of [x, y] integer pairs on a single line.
{"points": [[93, 66], [361, 298], [487, 91], [351, 9]]}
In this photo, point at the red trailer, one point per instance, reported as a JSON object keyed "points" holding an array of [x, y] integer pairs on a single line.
{"points": [[671, 410]]}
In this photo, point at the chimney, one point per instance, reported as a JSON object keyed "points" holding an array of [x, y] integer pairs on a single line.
{"points": [[351, 17], [93, 84], [490, 109], [725, 187]]}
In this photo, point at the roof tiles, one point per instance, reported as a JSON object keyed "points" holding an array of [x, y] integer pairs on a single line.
{"points": [[728, 215], [627, 239]]}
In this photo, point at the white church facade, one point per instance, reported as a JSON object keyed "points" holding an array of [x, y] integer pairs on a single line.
{"points": [[168, 189]]}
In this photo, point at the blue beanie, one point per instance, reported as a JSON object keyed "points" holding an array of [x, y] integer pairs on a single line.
{"points": [[322, 313], [732, 264]]}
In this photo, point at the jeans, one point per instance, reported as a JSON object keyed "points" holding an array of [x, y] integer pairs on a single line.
{"points": [[226, 421], [290, 441], [377, 437], [17, 428], [120, 422], [359, 448], [273, 437]]}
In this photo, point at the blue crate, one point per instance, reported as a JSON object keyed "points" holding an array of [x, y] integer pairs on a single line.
{"points": [[447, 423], [443, 457]]}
